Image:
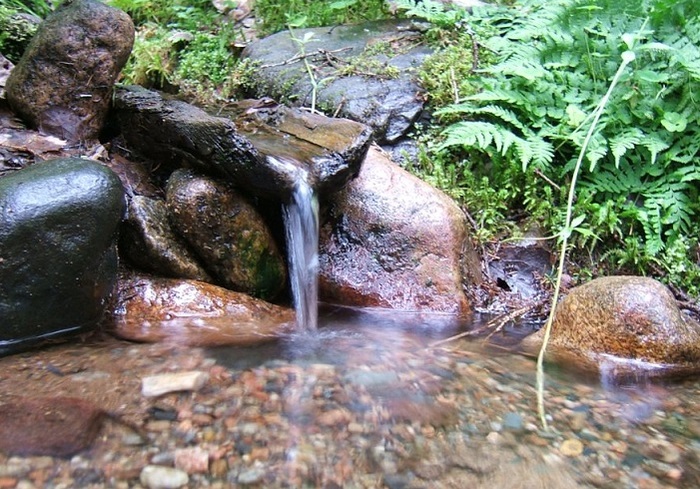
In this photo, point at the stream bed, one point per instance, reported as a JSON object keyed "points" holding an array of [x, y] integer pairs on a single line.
{"points": [[365, 402]]}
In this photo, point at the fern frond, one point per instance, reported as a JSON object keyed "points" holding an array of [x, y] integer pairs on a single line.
{"points": [[623, 142], [480, 135]]}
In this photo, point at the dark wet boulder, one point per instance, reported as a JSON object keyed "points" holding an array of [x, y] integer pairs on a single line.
{"points": [[189, 312], [227, 233], [58, 225], [63, 83], [622, 326], [176, 132], [148, 241], [364, 72], [391, 240]]}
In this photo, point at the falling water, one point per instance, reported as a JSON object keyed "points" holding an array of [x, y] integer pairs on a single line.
{"points": [[301, 223]]}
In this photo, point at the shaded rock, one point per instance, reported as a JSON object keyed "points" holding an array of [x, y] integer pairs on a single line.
{"points": [[58, 257], [176, 131], [227, 233], [367, 77], [53, 426], [391, 240], [148, 241], [621, 326], [194, 313], [5, 69], [63, 83]]}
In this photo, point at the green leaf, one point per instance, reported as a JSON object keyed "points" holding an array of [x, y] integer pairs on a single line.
{"points": [[674, 122]]}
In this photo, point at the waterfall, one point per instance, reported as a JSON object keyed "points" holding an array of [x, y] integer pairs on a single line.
{"points": [[301, 223]]}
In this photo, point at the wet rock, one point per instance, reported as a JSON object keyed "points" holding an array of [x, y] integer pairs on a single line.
{"points": [[58, 258], [175, 132], [53, 426], [622, 326], [370, 79], [194, 313], [148, 241], [63, 83], [157, 385], [227, 233], [332, 148], [161, 477], [394, 241]]}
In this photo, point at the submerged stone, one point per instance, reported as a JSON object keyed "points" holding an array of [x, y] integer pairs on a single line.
{"points": [[227, 233], [58, 257], [188, 312], [50, 426], [391, 240], [63, 83], [622, 326]]}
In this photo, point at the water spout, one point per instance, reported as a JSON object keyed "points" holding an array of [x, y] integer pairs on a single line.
{"points": [[301, 223]]}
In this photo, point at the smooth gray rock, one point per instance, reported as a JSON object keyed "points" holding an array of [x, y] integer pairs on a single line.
{"points": [[374, 96], [58, 257]]}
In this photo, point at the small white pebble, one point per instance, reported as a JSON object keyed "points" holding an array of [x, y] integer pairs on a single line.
{"points": [[157, 385], [160, 477]]}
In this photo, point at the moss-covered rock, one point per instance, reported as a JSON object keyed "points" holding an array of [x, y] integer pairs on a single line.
{"points": [[63, 83], [227, 233]]}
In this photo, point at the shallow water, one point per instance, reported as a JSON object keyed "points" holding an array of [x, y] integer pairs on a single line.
{"points": [[365, 402]]}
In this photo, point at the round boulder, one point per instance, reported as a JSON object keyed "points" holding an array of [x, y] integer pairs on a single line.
{"points": [[393, 241], [621, 326], [63, 83], [227, 233], [58, 258]]}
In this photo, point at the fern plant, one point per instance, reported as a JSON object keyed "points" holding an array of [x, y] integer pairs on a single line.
{"points": [[554, 61]]}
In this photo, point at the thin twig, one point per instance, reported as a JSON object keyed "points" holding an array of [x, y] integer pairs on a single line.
{"points": [[496, 324]]}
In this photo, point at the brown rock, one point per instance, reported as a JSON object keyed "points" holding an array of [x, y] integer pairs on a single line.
{"points": [[150, 243], [53, 426], [394, 241], [63, 83], [227, 233], [622, 325], [194, 313]]}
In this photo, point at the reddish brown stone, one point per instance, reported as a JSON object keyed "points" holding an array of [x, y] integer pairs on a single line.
{"points": [[194, 313], [394, 241], [53, 426]]}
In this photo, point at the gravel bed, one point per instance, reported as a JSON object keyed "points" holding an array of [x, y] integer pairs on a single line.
{"points": [[363, 409]]}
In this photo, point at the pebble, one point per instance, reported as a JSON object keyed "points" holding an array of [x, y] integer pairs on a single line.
{"points": [[157, 385], [571, 447], [192, 460], [300, 423], [160, 477]]}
